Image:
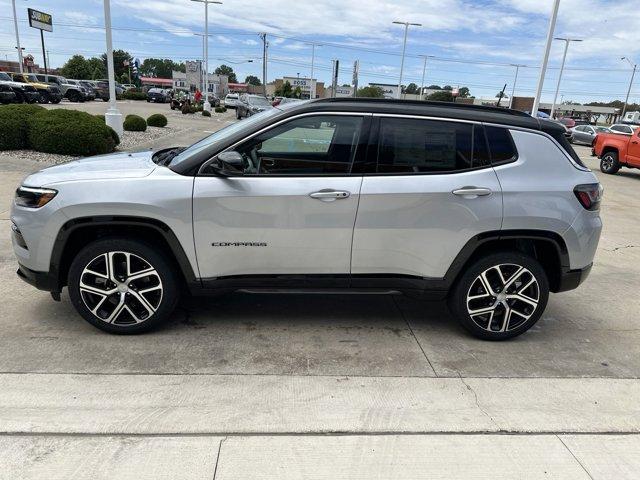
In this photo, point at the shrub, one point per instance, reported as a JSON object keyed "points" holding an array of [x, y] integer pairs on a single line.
{"points": [[70, 132], [134, 123], [193, 109], [14, 126], [114, 135], [157, 120], [206, 113], [199, 107], [220, 109], [186, 109], [101, 117], [133, 95]]}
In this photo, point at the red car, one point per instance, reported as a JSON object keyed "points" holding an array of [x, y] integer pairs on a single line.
{"points": [[567, 122], [616, 151]]}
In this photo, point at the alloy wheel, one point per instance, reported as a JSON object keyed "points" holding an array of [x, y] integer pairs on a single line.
{"points": [[121, 288], [607, 162], [503, 297]]}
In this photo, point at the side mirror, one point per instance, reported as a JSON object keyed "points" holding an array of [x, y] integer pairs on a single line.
{"points": [[228, 163]]}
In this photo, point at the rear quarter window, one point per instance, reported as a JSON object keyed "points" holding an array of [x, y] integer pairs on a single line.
{"points": [[501, 146]]}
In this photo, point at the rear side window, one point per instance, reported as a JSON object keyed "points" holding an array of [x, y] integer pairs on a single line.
{"points": [[407, 145], [564, 143], [501, 146]]}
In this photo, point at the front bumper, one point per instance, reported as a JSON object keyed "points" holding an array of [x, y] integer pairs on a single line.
{"points": [[7, 97], [571, 279], [31, 97], [41, 280]]}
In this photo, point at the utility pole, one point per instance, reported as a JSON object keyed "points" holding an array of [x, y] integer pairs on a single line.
{"points": [[313, 59], [545, 58], [515, 80], [356, 72], [424, 71], [334, 82], [404, 48], [564, 58], [633, 74], [265, 45], [15, 25], [207, 104], [113, 117]]}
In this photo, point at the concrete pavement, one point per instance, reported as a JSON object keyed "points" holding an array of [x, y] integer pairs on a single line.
{"points": [[396, 388]]}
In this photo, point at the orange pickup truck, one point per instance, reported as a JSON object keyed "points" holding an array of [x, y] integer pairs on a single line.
{"points": [[615, 151]]}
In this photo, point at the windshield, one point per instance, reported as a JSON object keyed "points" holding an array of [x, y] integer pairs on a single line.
{"points": [[223, 134], [258, 101], [5, 77], [32, 78]]}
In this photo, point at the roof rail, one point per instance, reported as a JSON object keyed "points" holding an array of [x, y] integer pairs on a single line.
{"points": [[424, 103]]}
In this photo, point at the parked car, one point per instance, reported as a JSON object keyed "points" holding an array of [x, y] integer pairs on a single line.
{"points": [[69, 91], [119, 88], [99, 89], [7, 95], [616, 151], [284, 100], [251, 104], [48, 93], [214, 100], [622, 128], [158, 95], [567, 122], [231, 100], [586, 134], [128, 86], [89, 92], [305, 198], [24, 92]]}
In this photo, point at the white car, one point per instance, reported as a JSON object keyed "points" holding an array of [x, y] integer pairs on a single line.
{"points": [[232, 100], [624, 128]]}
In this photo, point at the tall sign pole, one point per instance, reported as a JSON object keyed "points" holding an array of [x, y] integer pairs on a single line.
{"points": [[112, 117], [15, 25], [545, 58], [42, 21], [356, 72], [265, 45]]}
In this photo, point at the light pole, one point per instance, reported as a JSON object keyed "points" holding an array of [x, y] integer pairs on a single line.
{"points": [[15, 25], [545, 58], [515, 80], [564, 58], [313, 61], [112, 117], [404, 48], [203, 57], [207, 105], [424, 71], [633, 74]]}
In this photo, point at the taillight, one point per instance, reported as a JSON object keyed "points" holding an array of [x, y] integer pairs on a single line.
{"points": [[589, 195]]}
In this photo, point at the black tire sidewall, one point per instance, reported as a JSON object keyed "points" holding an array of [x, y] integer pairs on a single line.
{"points": [[458, 298], [614, 167], [147, 252]]}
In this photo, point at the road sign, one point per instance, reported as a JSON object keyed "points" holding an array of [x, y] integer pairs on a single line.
{"points": [[40, 20]]}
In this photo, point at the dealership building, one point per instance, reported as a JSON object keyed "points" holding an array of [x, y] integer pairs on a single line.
{"points": [[192, 79]]}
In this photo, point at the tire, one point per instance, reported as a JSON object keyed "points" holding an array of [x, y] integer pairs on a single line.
{"points": [[19, 98], [122, 300], [238, 116], [74, 97], [493, 321], [44, 98], [609, 163]]}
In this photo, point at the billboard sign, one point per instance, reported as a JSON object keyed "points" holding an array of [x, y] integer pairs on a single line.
{"points": [[40, 20], [307, 85], [389, 91]]}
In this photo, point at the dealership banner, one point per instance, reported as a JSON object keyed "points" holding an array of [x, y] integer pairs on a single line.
{"points": [[40, 20]]}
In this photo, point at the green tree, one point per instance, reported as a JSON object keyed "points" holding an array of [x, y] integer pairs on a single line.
{"points": [[447, 87], [227, 70], [285, 90], [501, 94], [412, 88], [252, 80], [464, 92], [441, 96], [434, 87], [77, 67], [160, 67], [97, 68], [371, 92], [119, 57], [297, 92]]}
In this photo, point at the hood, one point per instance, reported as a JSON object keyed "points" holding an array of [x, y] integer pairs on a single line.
{"points": [[14, 84], [102, 167]]}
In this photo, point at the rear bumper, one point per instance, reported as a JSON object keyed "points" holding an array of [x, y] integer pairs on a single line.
{"points": [[571, 279], [41, 280]]}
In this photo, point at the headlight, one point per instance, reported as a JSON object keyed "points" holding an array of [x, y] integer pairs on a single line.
{"points": [[34, 197]]}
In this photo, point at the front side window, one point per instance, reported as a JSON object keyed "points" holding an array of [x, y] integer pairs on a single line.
{"points": [[428, 146], [314, 145]]}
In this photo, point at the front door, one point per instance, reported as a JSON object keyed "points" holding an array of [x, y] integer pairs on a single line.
{"points": [[633, 150], [292, 208], [430, 190]]}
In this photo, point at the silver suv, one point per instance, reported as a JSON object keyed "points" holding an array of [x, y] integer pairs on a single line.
{"points": [[489, 208]]}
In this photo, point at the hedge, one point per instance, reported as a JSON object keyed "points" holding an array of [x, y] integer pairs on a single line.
{"points": [[14, 125], [205, 113], [70, 132], [221, 109], [134, 123], [133, 95], [157, 120]]}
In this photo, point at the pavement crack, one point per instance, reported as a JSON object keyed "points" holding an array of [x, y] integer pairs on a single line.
{"points": [[574, 457], [623, 247], [215, 469], [393, 299], [475, 396]]}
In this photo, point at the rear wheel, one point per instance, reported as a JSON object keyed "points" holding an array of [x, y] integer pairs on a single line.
{"points": [[73, 96], [609, 163], [500, 296], [122, 286], [19, 97], [44, 98]]}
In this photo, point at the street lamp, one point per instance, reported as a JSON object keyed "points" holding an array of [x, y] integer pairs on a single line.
{"points": [[207, 105], [566, 41], [112, 117], [424, 71], [633, 74], [404, 48], [515, 80], [15, 25], [545, 58]]}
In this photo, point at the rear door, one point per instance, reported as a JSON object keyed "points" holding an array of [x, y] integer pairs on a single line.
{"points": [[429, 190], [292, 208]]}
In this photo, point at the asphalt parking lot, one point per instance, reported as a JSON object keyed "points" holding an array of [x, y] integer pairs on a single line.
{"points": [[244, 383]]}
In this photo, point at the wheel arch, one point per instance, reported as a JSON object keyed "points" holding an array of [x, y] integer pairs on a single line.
{"points": [[77, 233], [609, 148], [548, 248]]}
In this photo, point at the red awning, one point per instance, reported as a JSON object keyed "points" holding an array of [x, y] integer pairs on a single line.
{"points": [[238, 87], [157, 81]]}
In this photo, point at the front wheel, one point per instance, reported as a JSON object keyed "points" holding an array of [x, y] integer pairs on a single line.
{"points": [[122, 286], [609, 163], [500, 296]]}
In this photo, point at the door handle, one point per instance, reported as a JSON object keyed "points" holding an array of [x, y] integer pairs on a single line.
{"points": [[635, 142], [472, 192], [330, 195]]}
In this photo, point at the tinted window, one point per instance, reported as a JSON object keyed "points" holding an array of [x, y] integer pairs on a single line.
{"points": [[322, 144], [501, 145], [426, 146]]}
